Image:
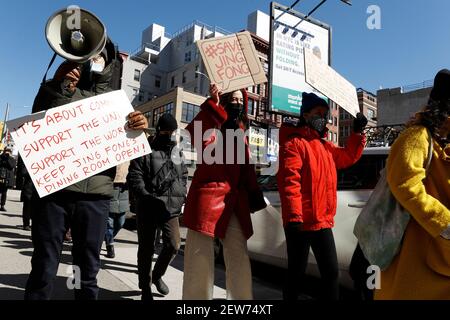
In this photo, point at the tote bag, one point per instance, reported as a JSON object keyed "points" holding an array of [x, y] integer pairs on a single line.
{"points": [[382, 222]]}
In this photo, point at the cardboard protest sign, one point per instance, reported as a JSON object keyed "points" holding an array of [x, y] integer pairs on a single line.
{"points": [[64, 145], [330, 83], [232, 62]]}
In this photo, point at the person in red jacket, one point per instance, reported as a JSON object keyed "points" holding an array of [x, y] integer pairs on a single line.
{"points": [[307, 180], [220, 199]]}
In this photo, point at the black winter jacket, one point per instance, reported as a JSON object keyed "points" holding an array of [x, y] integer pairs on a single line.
{"points": [[54, 94], [7, 166], [141, 174]]}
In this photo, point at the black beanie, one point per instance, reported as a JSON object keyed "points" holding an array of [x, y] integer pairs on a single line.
{"points": [[310, 101], [167, 123], [441, 87]]}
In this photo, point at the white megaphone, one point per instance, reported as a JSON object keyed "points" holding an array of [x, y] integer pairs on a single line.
{"points": [[75, 34]]}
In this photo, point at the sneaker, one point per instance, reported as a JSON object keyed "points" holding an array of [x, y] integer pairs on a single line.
{"points": [[161, 286], [110, 252], [2, 208]]}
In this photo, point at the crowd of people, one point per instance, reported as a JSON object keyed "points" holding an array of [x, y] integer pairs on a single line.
{"points": [[222, 197]]}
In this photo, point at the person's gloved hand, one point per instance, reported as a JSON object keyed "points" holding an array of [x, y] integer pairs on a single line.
{"points": [[359, 123], [69, 73]]}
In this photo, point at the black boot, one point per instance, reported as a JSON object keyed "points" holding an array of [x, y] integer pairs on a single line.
{"points": [[161, 286], [110, 251], [146, 294], [2, 208]]}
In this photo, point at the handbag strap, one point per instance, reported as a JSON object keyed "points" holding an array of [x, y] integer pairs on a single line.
{"points": [[48, 68], [430, 151]]}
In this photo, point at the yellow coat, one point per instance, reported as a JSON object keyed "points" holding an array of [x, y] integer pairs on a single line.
{"points": [[421, 270]]}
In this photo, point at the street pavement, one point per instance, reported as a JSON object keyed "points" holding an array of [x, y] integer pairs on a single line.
{"points": [[117, 278]]}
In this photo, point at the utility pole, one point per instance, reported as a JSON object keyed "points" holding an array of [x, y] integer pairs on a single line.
{"points": [[4, 123]]}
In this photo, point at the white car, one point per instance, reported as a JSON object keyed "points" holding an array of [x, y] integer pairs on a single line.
{"points": [[355, 184]]}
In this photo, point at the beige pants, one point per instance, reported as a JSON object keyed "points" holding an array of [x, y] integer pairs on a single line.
{"points": [[198, 280]]}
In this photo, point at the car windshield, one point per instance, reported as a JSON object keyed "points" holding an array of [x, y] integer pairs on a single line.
{"points": [[362, 175]]}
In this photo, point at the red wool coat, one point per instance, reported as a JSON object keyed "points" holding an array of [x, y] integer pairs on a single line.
{"points": [[307, 175], [218, 190]]}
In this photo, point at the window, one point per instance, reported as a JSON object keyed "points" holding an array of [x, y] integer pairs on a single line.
{"points": [[362, 175], [157, 82], [196, 70], [158, 112], [184, 76], [172, 82], [187, 57], [251, 106], [335, 122], [370, 114], [335, 137], [189, 112], [135, 92], [141, 96], [137, 75]]}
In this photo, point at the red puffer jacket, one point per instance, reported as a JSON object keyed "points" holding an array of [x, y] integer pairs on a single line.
{"points": [[307, 176], [218, 190]]}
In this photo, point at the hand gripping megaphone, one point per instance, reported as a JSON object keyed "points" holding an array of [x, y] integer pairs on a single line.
{"points": [[75, 34]]}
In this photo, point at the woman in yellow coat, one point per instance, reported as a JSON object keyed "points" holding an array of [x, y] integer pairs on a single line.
{"points": [[421, 270]]}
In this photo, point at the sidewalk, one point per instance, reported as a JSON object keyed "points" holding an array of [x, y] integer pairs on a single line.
{"points": [[117, 278]]}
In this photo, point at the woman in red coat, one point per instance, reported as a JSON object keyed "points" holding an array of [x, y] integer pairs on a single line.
{"points": [[220, 199], [307, 182]]}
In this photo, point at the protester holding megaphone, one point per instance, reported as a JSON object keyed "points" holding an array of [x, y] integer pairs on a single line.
{"points": [[91, 68]]}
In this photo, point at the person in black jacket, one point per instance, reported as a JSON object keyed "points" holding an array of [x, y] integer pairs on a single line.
{"points": [[25, 194], [7, 165], [159, 185], [82, 206]]}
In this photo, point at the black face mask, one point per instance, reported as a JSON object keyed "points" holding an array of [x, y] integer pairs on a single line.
{"points": [[234, 112], [165, 139], [318, 123]]}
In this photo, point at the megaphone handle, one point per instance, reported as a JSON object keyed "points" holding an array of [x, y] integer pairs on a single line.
{"points": [[48, 68]]}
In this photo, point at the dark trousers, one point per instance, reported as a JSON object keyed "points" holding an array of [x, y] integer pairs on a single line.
{"points": [[26, 212], [114, 224], [3, 191], [87, 217], [147, 227], [358, 272], [298, 246]]}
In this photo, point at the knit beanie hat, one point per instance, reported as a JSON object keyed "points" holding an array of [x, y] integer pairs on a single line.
{"points": [[310, 101], [167, 123]]}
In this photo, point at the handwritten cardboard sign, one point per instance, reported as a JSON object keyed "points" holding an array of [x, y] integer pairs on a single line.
{"points": [[232, 62], [68, 144], [330, 83]]}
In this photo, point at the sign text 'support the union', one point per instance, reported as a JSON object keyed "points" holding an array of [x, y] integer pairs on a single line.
{"points": [[65, 145]]}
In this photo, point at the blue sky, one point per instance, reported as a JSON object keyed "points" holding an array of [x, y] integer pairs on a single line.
{"points": [[412, 45]]}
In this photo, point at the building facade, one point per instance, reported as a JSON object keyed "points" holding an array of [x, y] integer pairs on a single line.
{"points": [[367, 106], [396, 106]]}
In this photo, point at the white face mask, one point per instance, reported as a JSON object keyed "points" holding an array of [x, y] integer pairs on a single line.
{"points": [[98, 64]]}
